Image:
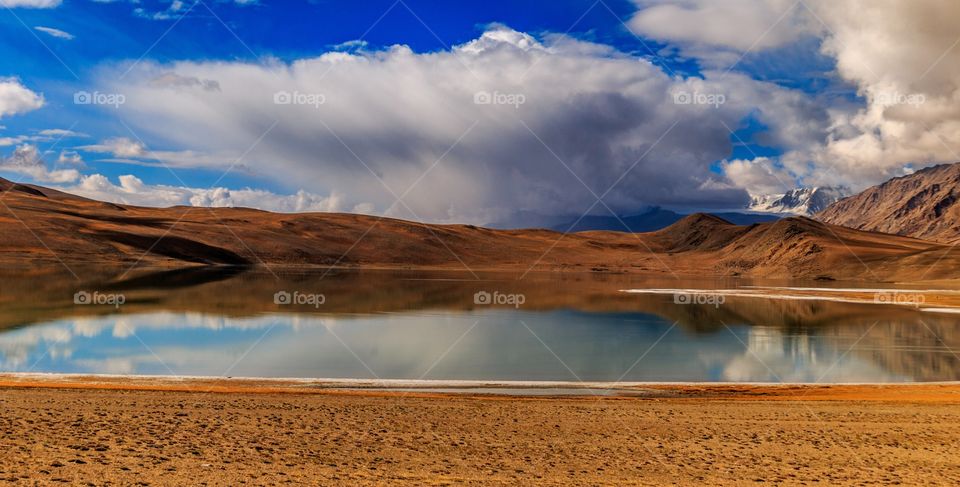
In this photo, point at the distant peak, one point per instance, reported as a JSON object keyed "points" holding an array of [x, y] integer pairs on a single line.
{"points": [[704, 218], [799, 201], [696, 222]]}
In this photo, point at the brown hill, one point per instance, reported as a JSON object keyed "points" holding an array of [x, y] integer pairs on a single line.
{"points": [[700, 231], [922, 205], [40, 226]]}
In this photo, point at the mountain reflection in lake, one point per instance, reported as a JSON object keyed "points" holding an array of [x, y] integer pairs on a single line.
{"points": [[417, 325]]}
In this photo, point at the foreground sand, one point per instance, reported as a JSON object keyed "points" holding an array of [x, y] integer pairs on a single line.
{"points": [[695, 435]]}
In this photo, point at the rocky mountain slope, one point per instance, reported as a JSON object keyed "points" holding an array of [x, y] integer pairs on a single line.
{"points": [[922, 205], [44, 227]]}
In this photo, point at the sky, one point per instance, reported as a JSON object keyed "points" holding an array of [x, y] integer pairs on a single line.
{"points": [[473, 112]]}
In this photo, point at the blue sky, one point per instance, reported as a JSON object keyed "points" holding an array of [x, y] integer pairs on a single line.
{"points": [[288, 30], [600, 82]]}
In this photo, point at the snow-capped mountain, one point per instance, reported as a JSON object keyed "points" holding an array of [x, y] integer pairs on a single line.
{"points": [[800, 201]]}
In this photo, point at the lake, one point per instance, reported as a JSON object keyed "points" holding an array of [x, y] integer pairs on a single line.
{"points": [[418, 325]]}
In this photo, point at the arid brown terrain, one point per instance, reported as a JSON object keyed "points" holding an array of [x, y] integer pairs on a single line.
{"points": [[709, 436], [46, 226], [922, 205]]}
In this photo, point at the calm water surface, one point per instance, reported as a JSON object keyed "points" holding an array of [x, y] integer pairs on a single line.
{"points": [[415, 325]]}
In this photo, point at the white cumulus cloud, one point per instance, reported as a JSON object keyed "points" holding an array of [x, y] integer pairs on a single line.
{"points": [[28, 161], [734, 24], [901, 58], [16, 98], [133, 191], [481, 130]]}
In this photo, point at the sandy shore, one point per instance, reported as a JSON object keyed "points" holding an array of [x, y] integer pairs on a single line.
{"points": [[168, 432]]}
